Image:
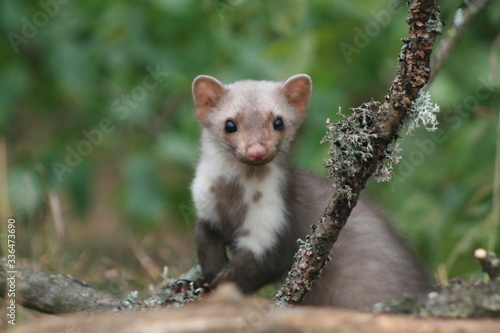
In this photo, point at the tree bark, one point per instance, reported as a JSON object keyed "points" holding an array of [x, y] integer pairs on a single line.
{"points": [[47, 292], [53, 293]]}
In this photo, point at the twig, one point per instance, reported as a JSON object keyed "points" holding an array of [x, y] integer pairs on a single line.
{"points": [[146, 262], [463, 17], [412, 75], [493, 59], [493, 223], [57, 215], [489, 262]]}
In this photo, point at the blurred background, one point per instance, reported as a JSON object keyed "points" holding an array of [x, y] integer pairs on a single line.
{"points": [[98, 142]]}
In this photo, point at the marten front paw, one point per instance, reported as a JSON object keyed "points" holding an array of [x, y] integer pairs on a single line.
{"points": [[186, 286], [202, 291]]}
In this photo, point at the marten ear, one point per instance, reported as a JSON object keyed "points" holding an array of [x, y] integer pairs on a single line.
{"points": [[207, 92], [297, 90]]}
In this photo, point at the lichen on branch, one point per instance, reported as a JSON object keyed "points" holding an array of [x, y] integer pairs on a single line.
{"points": [[351, 142], [423, 112]]}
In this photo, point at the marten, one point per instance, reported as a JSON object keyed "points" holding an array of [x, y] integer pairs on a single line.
{"points": [[253, 203]]}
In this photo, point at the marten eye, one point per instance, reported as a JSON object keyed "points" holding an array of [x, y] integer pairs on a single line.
{"points": [[230, 127], [278, 124]]}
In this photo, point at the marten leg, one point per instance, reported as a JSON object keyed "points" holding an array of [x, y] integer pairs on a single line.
{"points": [[211, 250], [250, 273]]}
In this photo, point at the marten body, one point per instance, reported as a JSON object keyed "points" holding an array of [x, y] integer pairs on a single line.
{"points": [[250, 199]]}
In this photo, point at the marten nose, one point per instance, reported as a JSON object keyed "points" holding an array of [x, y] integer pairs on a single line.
{"points": [[256, 153]]}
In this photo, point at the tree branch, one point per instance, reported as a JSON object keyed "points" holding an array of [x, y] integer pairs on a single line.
{"points": [[463, 17], [489, 262], [57, 293], [53, 293], [378, 133]]}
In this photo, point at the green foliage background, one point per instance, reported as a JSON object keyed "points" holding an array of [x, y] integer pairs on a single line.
{"points": [[67, 66]]}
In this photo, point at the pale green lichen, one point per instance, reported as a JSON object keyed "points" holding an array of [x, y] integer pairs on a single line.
{"points": [[422, 112], [384, 170], [351, 142], [131, 301]]}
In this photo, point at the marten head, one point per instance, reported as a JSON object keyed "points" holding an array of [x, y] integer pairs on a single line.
{"points": [[253, 120]]}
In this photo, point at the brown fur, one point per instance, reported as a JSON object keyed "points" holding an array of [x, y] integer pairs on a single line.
{"points": [[371, 261]]}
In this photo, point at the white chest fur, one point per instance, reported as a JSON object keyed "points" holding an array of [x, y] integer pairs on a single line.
{"points": [[264, 217]]}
